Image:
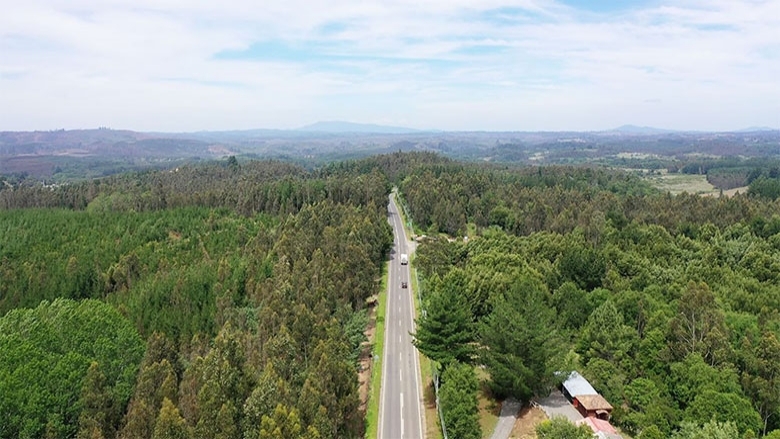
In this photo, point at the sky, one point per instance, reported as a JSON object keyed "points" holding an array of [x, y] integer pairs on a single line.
{"points": [[461, 65]]}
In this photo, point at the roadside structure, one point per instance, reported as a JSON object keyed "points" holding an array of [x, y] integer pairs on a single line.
{"points": [[585, 398], [595, 410]]}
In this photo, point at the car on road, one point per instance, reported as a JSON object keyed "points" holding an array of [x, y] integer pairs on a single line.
{"points": [[404, 285]]}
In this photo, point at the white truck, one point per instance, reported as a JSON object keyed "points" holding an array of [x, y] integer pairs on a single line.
{"points": [[404, 259]]}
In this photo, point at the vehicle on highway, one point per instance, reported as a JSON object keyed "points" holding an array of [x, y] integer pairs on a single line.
{"points": [[404, 285], [404, 259]]}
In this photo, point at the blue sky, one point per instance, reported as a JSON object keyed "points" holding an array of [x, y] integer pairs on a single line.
{"points": [[181, 65]]}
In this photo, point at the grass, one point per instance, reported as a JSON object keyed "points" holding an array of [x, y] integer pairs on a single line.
{"points": [[432, 428], [488, 407], [679, 183], [372, 412]]}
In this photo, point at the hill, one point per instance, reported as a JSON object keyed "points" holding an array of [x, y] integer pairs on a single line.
{"points": [[336, 126]]}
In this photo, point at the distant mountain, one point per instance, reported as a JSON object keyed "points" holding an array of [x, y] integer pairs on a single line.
{"points": [[336, 126], [756, 129], [634, 129]]}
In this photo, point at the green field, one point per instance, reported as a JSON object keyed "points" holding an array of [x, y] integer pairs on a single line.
{"points": [[679, 183]]}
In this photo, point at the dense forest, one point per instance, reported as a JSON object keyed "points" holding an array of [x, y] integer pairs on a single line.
{"points": [[220, 301], [229, 300], [668, 305]]}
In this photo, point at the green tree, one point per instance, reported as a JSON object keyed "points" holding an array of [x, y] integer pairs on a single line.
{"points": [[651, 432], [459, 405], [699, 326], [583, 265], [285, 424], [561, 428], [692, 376], [445, 332], [271, 390], [710, 430], [571, 304], [47, 353], [170, 424], [761, 379], [724, 407], [606, 337], [98, 415], [519, 340]]}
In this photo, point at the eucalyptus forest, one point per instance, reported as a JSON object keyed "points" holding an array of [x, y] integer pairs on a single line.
{"points": [[231, 299]]}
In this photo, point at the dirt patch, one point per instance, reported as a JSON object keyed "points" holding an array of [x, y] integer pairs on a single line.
{"points": [[432, 428], [366, 361], [525, 426]]}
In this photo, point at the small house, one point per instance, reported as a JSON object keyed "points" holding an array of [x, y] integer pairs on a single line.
{"points": [[576, 385], [593, 406], [585, 398]]}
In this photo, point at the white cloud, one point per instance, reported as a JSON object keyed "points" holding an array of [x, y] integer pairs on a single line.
{"points": [[450, 64]]}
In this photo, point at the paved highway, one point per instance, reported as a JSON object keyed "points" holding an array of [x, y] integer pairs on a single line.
{"points": [[400, 400]]}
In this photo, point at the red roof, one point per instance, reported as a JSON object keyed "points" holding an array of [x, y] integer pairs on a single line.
{"points": [[597, 425]]}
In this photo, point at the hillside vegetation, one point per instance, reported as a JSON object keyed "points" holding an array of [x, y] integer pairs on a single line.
{"points": [[667, 304], [229, 300], [248, 284]]}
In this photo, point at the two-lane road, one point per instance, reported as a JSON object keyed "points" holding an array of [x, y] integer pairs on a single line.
{"points": [[400, 401]]}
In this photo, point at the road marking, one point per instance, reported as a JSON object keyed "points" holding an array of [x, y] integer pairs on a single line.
{"points": [[402, 414], [400, 374], [416, 363]]}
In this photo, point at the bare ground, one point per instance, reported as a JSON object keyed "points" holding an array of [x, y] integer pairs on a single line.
{"points": [[366, 357], [525, 426]]}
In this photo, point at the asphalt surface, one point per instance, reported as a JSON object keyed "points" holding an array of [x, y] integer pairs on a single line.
{"points": [[506, 419], [556, 405], [400, 400]]}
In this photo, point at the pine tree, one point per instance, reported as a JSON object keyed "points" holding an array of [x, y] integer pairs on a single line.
{"points": [[459, 405], [445, 333], [519, 341]]}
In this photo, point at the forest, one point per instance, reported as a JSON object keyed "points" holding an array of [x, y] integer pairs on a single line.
{"points": [[221, 301], [229, 299], [668, 305]]}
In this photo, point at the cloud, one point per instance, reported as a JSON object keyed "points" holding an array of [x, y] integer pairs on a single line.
{"points": [[450, 64]]}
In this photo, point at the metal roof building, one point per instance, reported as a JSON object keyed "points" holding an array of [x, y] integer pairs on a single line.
{"points": [[577, 385]]}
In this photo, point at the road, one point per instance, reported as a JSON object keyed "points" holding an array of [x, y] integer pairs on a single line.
{"points": [[506, 419], [400, 400]]}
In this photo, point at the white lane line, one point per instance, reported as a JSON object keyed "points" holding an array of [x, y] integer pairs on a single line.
{"points": [[400, 374], [402, 414], [417, 379]]}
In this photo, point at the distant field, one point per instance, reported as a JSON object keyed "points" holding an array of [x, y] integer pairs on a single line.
{"points": [[679, 183], [692, 184]]}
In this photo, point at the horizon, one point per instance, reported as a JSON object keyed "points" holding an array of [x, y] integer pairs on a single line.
{"points": [[363, 128], [463, 66]]}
